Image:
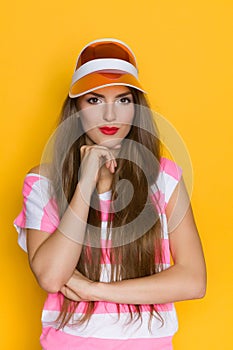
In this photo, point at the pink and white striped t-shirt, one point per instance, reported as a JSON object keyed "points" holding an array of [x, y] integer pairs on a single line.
{"points": [[104, 330]]}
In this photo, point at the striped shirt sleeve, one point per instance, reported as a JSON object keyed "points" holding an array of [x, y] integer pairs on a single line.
{"points": [[39, 208], [171, 174]]}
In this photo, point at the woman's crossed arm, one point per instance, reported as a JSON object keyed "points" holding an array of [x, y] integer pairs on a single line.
{"points": [[186, 279]]}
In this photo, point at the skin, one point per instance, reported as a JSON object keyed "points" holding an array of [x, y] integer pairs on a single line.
{"points": [[112, 107], [47, 253], [184, 280]]}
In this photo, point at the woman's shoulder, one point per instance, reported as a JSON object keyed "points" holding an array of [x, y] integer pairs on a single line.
{"points": [[170, 167], [41, 170], [37, 182]]}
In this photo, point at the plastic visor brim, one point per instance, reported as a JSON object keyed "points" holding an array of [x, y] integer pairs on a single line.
{"points": [[105, 85]]}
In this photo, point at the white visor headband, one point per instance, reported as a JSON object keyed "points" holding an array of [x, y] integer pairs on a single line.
{"points": [[104, 64]]}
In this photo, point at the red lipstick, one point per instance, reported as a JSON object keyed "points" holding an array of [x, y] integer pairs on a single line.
{"points": [[109, 130]]}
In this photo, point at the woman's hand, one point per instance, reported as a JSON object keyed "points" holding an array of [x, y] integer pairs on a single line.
{"points": [[68, 293], [78, 288], [96, 162]]}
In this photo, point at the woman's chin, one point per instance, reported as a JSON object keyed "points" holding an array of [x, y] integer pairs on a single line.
{"points": [[112, 144]]}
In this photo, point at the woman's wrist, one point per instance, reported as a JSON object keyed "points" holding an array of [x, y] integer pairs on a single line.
{"points": [[98, 291], [86, 188]]}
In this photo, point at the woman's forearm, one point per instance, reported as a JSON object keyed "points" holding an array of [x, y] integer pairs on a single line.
{"points": [[186, 279], [55, 259], [173, 284]]}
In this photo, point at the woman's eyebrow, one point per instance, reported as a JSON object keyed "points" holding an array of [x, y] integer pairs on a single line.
{"points": [[124, 94], [120, 95]]}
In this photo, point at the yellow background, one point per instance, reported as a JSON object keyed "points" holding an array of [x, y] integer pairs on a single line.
{"points": [[184, 52]]}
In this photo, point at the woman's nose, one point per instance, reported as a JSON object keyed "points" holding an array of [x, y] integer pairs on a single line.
{"points": [[109, 114]]}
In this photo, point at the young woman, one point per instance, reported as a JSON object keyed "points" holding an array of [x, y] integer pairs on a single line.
{"points": [[101, 220]]}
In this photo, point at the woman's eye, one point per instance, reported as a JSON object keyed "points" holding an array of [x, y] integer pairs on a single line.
{"points": [[93, 100], [125, 100]]}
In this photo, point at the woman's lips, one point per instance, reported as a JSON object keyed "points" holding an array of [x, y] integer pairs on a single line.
{"points": [[109, 130]]}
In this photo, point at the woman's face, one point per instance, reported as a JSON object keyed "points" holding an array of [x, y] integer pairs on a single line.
{"points": [[106, 115]]}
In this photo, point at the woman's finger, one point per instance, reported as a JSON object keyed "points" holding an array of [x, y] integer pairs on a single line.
{"points": [[83, 151], [68, 293], [112, 166]]}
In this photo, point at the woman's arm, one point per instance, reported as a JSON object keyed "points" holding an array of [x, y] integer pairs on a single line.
{"points": [[53, 257], [186, 279]]}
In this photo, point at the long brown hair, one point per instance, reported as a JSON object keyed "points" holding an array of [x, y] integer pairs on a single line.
{"points": [[132, 254]]}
